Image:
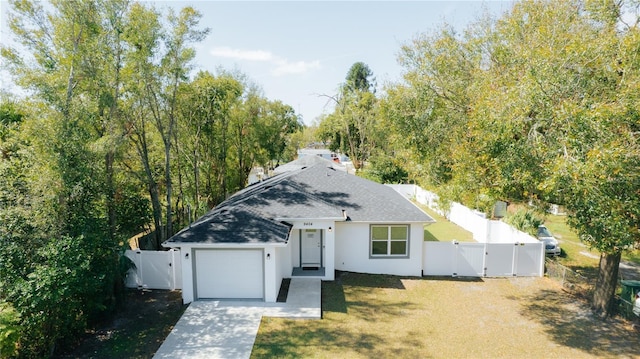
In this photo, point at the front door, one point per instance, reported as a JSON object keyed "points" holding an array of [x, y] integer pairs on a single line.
{"points": [[311, 248]]}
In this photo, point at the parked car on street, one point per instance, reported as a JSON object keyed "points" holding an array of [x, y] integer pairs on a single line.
{"points": [[551, 246]]}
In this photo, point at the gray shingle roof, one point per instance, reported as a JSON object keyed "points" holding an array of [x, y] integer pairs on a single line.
{"points": [[237, 225], [257, 214]]}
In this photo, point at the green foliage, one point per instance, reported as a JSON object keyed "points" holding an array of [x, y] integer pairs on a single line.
{"points": [[360, 78], [57, 296], [446, 196], [353, 128], [540, 104], [383, 168], [526, 220], [116, 138], [602, 208], [132, 210], [9, 330]]}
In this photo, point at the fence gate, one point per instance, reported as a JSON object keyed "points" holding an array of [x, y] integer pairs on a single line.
{"points": [[155, 269], [483, 259], [469, 259], [500, 259]]}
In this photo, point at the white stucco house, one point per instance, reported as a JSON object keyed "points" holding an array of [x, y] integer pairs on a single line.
{"points": [[309, 220]]}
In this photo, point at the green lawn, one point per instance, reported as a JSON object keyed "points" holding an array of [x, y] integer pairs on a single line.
{"points": [[576, 255], [444, 230], [378, 316]]}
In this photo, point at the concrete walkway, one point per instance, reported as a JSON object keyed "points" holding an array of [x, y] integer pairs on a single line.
{"points": [[228, 329]]}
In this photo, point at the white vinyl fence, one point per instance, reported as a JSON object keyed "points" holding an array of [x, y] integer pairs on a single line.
{"points": [[500, 251], [155, 269], [465, 259], [483, 230]]}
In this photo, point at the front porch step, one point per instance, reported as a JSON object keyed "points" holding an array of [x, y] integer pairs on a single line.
{"points": [[304, 272]]}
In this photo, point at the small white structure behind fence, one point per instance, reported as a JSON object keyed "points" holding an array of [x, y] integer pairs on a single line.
{"points": [[155, 269]]}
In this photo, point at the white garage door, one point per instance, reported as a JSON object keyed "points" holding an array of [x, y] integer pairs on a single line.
{"points": [[229, 274]]}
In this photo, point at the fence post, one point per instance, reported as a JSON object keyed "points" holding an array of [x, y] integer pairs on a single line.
{"points": [[514, 262], [139, 268], [484, 259], [172, 262], [455, 258]]}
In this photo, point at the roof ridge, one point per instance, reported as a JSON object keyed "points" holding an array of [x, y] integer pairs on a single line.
{"points": [[254, 189]]}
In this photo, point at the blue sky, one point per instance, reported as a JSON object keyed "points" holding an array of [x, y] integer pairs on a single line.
{"points": [[298, 50]]}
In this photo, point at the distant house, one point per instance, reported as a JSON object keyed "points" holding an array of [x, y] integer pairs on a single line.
{"points": [[308, 220], [320, 152]]}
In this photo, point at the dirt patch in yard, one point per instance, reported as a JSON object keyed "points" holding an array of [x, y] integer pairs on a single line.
{"points": [[136, 330], [368, 316]]}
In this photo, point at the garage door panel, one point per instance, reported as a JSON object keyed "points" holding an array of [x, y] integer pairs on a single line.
{"points": [[229, 274]]}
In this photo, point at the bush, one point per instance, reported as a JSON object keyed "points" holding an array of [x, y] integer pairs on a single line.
{"points": [[525, 220], [9, 330], [69, 285], [383, 168]]}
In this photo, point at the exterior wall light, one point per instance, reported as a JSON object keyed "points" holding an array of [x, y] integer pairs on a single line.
{"points": [[330, 229], [268, 256]]}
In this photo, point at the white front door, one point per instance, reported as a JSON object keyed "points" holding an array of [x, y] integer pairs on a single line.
{"points": [[311, 248]]}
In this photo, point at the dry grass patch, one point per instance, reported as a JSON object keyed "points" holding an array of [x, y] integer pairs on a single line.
{"points": [[369, 316]]}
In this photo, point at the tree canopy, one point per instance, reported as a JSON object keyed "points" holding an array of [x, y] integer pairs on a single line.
{"points": [[118, 135], [539, 105]]}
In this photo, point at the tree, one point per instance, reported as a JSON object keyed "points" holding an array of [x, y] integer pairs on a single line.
{"points": [[174, 68], [60, 172], [430, 111], [538, 104], [350, 126], [9, 330], [111, 113], [276, 123], [602, 197], [142, 35], [209, 103], [360, 78], [304, 137], [156, 87], [580, 114]]}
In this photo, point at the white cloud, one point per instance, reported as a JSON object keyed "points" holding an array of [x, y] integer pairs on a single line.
{"points": [[281, 65], [256, 55]]}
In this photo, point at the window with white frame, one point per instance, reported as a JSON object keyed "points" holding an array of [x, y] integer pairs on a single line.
{"points": [[389, 241]]}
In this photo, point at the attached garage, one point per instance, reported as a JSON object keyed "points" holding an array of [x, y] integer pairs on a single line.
{"points": [[229, 274]]}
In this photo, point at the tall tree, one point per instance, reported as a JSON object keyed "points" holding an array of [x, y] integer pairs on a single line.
{"points": [[175, 66], [142, 35], [538, 104], [69, 57], [350, 126], [156, 86], [575, 119]]}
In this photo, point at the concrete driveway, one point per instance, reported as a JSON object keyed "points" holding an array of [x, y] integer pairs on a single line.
{"points": [[228, 329]]}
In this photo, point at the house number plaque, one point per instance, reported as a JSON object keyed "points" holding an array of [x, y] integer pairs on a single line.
{"points": [[307, 224]]}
